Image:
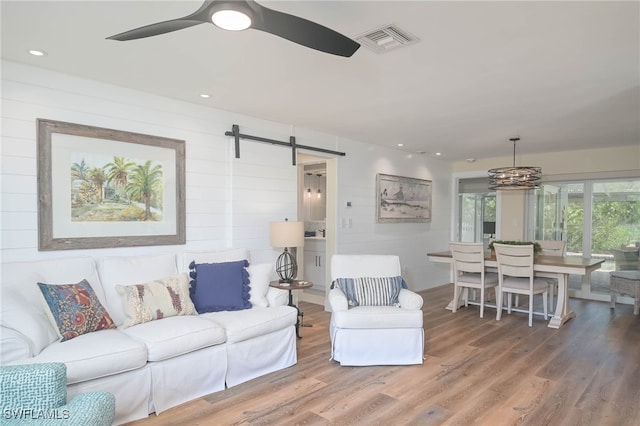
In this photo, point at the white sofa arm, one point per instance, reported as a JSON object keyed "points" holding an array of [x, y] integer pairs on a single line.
{"points": [[277, 297], [14, 346], [410, 300], [338, 300]]}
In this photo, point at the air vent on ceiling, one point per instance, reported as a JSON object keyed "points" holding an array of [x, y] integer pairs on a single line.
{"points": [[385, 38]]}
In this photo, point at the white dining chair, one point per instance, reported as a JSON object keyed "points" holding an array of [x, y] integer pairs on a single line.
{"points": [[469, 272], [515, 276], [551, 248]]}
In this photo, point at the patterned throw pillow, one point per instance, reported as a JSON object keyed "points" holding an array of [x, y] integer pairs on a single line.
{"points": [[157, 299], [74, 309], [220, 286], [368, 291]]}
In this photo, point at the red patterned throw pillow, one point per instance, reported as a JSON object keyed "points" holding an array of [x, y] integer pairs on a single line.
{"points": [[74, 309]]}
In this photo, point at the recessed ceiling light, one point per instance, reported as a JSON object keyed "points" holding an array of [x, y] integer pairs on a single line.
{"points": [[471, 160], [204, 95], [37, 53], [400, 144], [438, 154]]}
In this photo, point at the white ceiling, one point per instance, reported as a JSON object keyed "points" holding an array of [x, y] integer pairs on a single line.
{"points": [[561, 75]]}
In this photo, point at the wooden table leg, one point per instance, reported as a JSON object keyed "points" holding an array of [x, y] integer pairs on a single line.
{"points": [[563, 312]]}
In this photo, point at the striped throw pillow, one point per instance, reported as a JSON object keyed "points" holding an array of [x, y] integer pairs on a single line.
{"points": [[371, 291]]}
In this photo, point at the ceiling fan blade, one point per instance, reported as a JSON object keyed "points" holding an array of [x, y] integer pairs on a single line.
{"points": [[155, 29], [292, 28], [200, 16], [303, 31]]}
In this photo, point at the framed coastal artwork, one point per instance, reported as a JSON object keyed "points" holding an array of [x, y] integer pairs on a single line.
{"points": [[101, 188], [402, 199]]}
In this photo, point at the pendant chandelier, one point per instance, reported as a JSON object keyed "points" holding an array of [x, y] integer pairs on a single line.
{"points": [[522, 177]]}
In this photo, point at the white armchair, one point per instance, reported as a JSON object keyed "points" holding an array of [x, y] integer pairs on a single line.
{"points": [[374, 335]]}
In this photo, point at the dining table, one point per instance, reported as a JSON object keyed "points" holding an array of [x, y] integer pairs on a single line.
{"points": [[558, 267]]}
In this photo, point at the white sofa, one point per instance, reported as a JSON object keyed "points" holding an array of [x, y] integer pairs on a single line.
{"points": [[156, 365]]}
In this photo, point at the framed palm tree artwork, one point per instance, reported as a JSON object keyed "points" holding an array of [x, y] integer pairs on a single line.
{"points": [[102, 188]]}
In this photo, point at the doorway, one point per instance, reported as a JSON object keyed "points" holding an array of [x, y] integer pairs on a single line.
{"points": [[317, 208]]}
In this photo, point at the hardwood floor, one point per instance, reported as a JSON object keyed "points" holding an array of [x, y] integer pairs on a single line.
{"points": [[476, 372]]}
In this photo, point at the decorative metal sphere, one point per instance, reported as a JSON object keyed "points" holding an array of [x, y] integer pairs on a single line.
{"points": [[286, 266]]}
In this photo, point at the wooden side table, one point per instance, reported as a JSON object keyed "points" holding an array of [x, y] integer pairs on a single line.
{"points": [[626, 283], [293, 285]]}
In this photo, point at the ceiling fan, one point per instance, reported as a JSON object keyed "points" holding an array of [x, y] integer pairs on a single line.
{"points": [[243, 14]]}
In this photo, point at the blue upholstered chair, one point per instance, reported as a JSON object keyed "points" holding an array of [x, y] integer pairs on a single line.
{"points": [[36, 394]]}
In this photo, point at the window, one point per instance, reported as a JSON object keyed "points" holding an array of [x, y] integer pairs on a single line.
{"points": [[594, 217], [477, 210]]}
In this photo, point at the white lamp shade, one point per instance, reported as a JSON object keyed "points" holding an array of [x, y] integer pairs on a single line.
{"points": [[286, 234]]}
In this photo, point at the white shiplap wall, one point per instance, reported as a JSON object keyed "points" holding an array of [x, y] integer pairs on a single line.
{"points": [[410, 241], [229, 201]]}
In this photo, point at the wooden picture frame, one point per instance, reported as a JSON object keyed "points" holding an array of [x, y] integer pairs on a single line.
{"points": [[100, 188], [402, 199]]}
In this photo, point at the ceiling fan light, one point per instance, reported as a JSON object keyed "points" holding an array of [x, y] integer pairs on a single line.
{"points": [[231, 20]]}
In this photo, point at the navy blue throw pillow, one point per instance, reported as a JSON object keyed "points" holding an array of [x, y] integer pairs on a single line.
{"points": [[220, 286]]}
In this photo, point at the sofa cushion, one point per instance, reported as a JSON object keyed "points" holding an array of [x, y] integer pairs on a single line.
{"points": [[250, 323], [174, 336], [359, 265], [377, 317], [371, 291], [220, 286], [259, 278], [23, 311], [13, 346], [20, 306], [277, 297], [156, 300], [93, 355], [74, 309], [129, 270]]}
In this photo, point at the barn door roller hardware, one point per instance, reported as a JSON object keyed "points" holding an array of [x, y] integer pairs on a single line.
{"points": [[235, 132]]}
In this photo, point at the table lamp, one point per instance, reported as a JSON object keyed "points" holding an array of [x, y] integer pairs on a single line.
{"points": [[286, 234]]}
